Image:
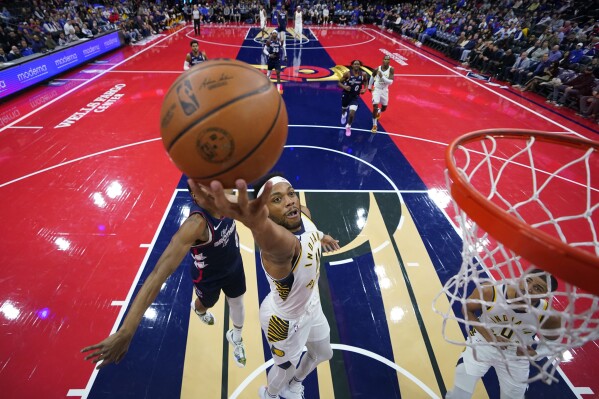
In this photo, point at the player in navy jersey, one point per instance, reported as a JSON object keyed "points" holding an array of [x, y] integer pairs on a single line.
{"points": [[291, 248], [195, 56], [353, 84], [282, 29], [272, 50], [217, 266]]}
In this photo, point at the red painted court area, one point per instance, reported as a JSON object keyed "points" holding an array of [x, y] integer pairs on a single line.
{"points": [[85, 181]]}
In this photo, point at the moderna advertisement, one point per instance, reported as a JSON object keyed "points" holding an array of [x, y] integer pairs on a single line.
{"points": [[19, 77]]}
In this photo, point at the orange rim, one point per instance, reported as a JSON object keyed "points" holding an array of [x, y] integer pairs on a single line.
{"points": [[571, 264]]}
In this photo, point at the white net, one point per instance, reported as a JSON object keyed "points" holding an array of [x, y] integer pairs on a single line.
{"points": [[502, 300]]}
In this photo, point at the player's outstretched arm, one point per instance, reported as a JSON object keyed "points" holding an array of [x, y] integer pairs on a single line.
{"points": [[114, 348], [278, 245]]}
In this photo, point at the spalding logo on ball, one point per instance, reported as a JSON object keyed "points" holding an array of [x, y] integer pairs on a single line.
{"points": [[223, 120]]}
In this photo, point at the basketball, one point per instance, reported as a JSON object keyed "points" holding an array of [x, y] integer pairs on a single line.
{"points": [[223, 120]]}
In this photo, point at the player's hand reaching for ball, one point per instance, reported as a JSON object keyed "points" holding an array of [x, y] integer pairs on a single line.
{"points": [[249, 212]]}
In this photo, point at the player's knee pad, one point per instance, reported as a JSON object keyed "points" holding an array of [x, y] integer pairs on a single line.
{"points": [[321, 351], [280, 375], [383, 108]]}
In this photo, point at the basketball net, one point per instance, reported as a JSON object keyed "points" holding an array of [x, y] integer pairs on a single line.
{"points": [[524, 199]]}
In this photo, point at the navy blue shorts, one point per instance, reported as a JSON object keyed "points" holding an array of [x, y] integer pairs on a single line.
{"points": [[273, 63], [348, 99], [208, 287]]}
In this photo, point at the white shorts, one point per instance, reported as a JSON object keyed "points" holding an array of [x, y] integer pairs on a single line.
{"points": [[262, 24], [287, 338], [512, 376], [298, 28], [380, 96]]}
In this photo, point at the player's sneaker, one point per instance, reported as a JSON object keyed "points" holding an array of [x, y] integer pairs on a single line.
{"points": [[348, 131], [344, 118], [293, 391], [374, 128], [238, 349], [206, 318], [263, 394]]}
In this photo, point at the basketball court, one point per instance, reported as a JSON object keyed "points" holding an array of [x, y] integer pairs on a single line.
{"points": [[90, 200]]}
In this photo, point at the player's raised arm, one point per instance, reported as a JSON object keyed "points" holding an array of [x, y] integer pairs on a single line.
{"points": [[114, 348], [277, 244]]}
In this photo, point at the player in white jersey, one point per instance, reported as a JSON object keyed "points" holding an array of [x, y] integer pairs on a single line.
{"points": [[379, 83], [290, 247], [299, 27], [507, 321], [263, 31]]}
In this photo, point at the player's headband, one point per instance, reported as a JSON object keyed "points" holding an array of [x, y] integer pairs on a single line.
{"points": [[274, 180]]}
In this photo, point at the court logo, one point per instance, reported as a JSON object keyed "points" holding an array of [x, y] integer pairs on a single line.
{"points": [[2, 85], [311, 73], [215, 145], [187, 99]]}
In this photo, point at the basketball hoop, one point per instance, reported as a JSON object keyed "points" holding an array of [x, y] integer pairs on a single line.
{"points": [[526, 199]]}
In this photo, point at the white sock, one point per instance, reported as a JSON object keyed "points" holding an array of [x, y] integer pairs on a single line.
{"points": [[348, 125], [237, 334], [374, 122]]}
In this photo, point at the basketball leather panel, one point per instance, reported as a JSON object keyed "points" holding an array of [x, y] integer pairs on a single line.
{"points": [[204, 90], [241, 140]]}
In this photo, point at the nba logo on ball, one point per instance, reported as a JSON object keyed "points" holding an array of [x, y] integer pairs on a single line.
{"points": [[223, 120]]}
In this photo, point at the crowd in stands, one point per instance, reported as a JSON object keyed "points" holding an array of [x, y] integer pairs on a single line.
{"points": [[547, 46], [39, 26]]}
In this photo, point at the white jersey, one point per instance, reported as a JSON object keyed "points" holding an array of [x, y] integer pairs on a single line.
{"points": [[294, 294], [262, 17], [380, 83], [505, 322], [298, 17]]}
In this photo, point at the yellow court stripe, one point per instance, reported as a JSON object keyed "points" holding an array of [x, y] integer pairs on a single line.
{"points": [[202, 370], [325, 381], [252, 333], [426, 285], [409, 350]]}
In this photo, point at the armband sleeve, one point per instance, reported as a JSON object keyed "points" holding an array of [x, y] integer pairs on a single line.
{"points": [[186, 66]]}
